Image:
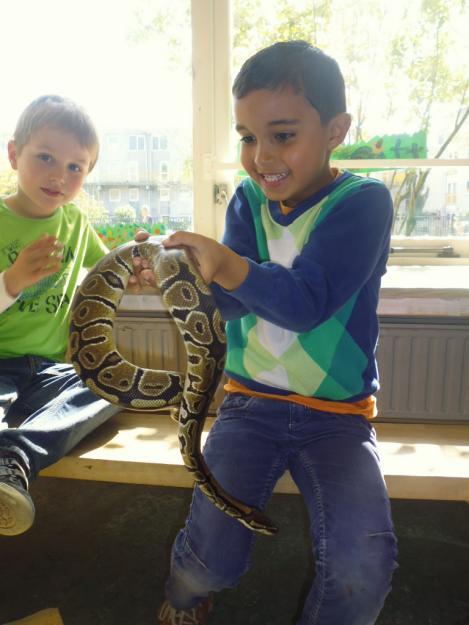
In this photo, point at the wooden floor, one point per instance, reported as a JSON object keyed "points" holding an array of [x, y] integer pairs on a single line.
{"points": [[420, 461]]}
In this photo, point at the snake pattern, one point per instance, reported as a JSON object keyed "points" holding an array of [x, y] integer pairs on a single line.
{"points": [[107, 373]]}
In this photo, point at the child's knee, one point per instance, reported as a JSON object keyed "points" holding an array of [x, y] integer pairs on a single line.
{"points": [[363, 572], [206, 575]]}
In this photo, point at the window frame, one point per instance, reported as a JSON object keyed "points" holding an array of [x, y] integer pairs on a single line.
{"points": [[163, 171], [139, 142], [212, 121]]}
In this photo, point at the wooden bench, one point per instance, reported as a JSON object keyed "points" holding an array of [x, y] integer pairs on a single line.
{"points": [[420, 461]]}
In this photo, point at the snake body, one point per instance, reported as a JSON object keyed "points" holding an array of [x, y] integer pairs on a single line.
{"points": [[107, 373]]}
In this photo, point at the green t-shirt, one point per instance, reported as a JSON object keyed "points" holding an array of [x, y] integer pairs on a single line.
{"points": [[37, 322]]}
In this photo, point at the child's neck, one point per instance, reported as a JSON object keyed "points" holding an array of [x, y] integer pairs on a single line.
{"points": [[16, 204], [288, 209]]}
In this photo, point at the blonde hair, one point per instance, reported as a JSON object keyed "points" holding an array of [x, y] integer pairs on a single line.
{"points": [[61, 113]]}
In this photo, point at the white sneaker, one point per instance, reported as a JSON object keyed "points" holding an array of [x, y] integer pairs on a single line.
{"points": [[16, 506]]}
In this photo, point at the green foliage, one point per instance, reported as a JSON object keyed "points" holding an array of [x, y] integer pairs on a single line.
{"points": [[96, 211], [125, 214], [257, 24]]}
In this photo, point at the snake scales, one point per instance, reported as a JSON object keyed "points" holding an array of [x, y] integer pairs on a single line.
{"points": [[107, 373]]}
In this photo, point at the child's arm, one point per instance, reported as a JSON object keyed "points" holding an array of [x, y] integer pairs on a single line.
{"points": [[36, 261], [217, 263]]}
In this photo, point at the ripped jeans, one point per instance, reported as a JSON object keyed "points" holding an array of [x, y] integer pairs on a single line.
{"points": [[333, 459], [45, 410]]}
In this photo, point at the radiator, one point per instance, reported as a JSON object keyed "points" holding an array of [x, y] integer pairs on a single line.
{"points": [[424, 370], [423, 363]]}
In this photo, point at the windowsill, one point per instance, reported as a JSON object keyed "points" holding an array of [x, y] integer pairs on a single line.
{"points": [[412, 290], [448, 278], [427, 261], [460, 245], [425, 290]]}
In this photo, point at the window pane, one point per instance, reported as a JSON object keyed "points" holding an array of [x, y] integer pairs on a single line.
{"points": [[132, 75], [444, 209], [406, 67]]}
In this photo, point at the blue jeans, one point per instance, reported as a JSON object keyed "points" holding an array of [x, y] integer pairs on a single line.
{"points": [[333, 460], [47, 410]]}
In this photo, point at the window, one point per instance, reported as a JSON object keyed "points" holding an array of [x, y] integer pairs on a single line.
{"points": [[405, 66], [451, 186], [111, 171], [137, 142], [134, 194], [160, 143], [164, 194], [133, 171], [114, 195], [163, 171]]}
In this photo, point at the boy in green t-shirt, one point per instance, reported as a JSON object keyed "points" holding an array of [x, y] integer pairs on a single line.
{"points": [[45, 241]]}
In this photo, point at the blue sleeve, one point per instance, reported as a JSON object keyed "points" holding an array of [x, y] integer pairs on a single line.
{"points": [[348, 249], [240, 236]]}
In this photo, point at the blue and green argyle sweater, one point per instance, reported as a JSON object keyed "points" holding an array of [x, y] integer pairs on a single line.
{"points": [[304, 321]]}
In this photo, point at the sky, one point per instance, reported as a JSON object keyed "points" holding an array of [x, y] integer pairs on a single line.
{"points": [[80, 49]]}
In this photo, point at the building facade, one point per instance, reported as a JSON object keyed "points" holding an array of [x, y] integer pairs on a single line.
{"points": [[142, 173]]}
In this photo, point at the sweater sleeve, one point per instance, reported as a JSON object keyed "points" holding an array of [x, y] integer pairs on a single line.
{"points": [[239, 236], [348, 248], [6, 300]]}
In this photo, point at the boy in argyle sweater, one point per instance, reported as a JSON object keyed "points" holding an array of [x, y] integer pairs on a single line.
{"points": [[297, 279]]}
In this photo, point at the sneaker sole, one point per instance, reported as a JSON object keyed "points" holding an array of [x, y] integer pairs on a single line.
{"points": [[16, 511]]}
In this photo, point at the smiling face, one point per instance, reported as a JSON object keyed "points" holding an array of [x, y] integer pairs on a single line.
{"points": [[51, 167], [285, 147]]}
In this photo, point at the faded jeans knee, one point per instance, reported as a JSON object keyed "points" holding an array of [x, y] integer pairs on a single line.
{"points": [[352, 581], [365, 575], [191, 580]]}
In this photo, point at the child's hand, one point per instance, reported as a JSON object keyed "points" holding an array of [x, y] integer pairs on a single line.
{"points": [[143, 276], [36, 261], [217, 263]]}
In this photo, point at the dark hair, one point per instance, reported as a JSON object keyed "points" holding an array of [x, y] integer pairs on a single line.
{"points": [[301, 66], [61, 113]]}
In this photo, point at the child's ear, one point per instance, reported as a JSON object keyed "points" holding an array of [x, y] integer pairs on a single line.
{"points": [[338, 129], [12, 154]]}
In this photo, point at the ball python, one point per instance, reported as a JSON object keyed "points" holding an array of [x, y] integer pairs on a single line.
{"points": [[107, 373]]}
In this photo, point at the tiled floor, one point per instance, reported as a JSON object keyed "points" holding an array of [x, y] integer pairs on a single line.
{"points": [[99, 553]]}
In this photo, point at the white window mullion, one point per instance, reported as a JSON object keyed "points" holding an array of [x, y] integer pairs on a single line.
{"points": [[211, 50]]}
